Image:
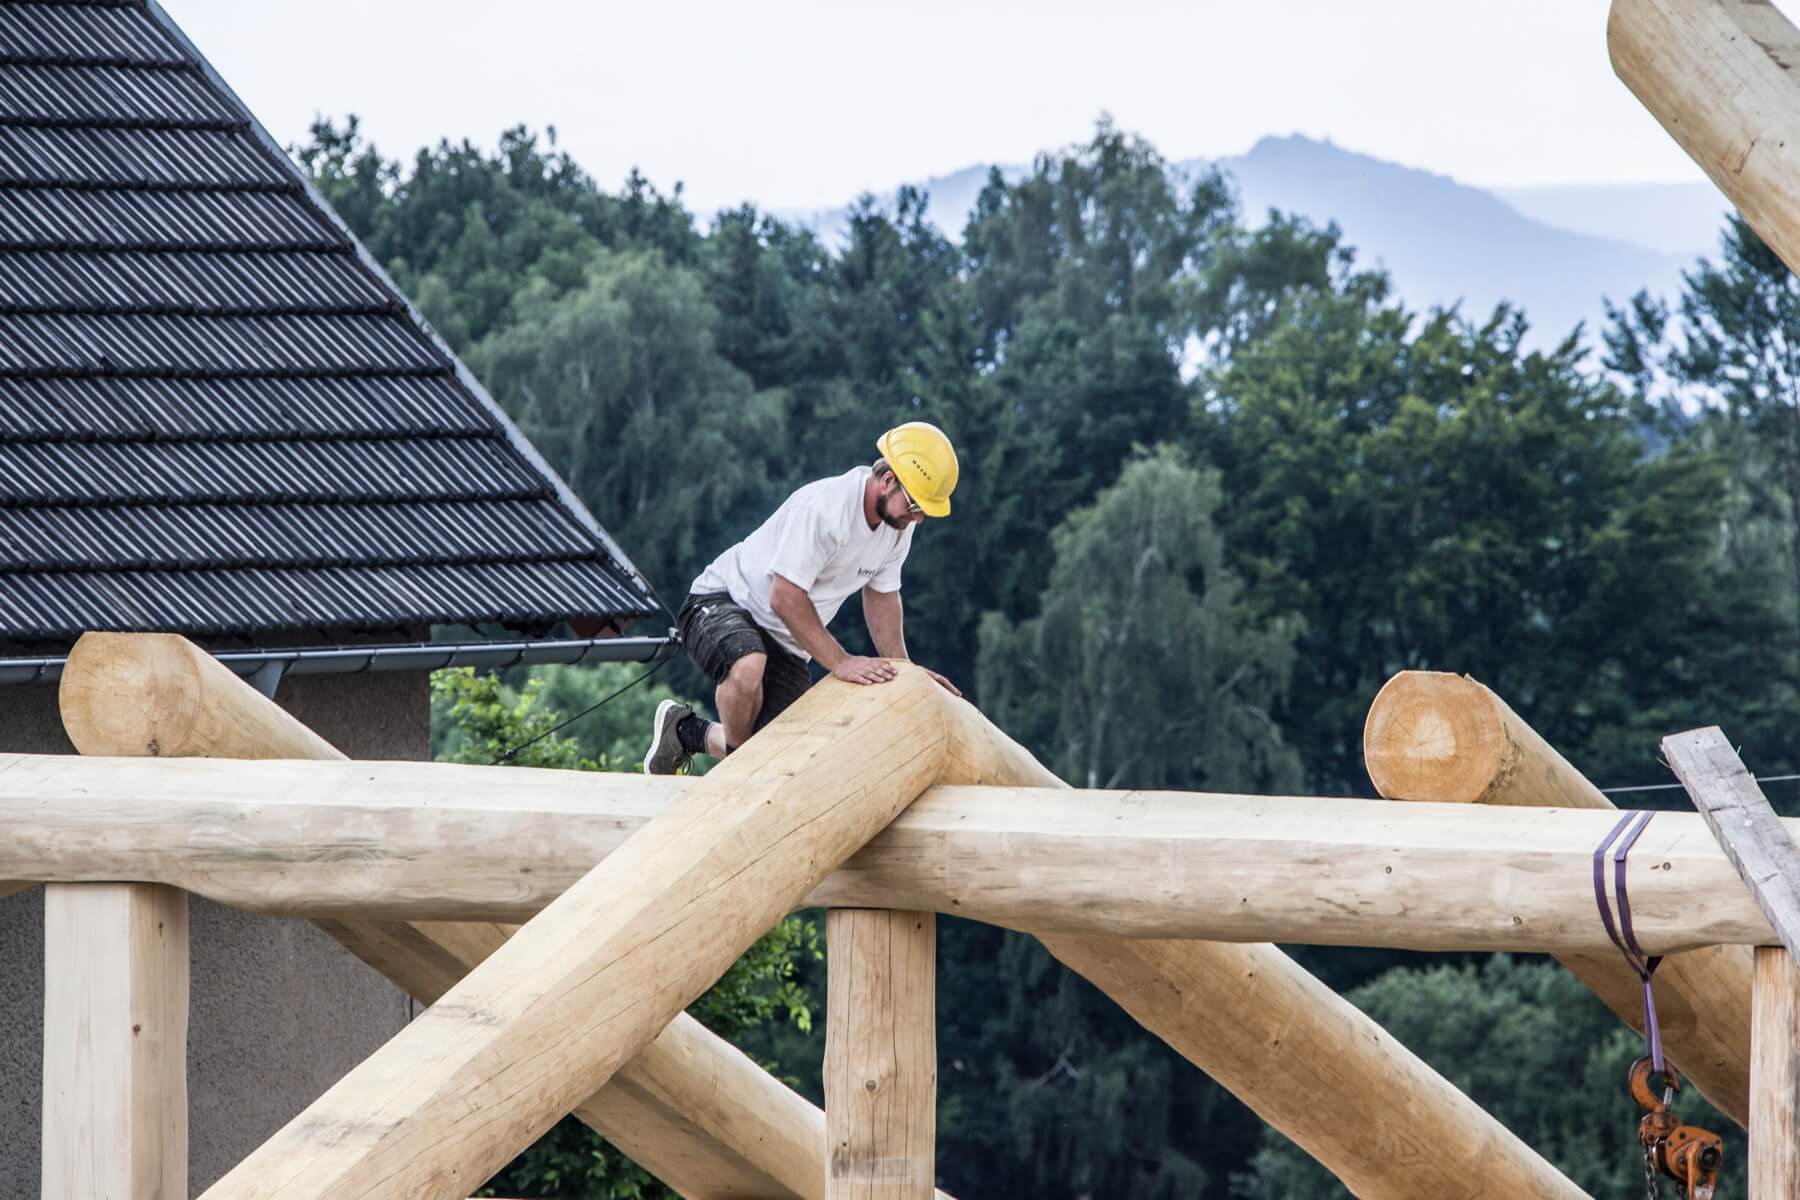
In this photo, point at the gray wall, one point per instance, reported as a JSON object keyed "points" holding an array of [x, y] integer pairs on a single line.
{"points": [[279, 1011]]}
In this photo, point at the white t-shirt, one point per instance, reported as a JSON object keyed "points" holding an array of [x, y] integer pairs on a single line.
{"points": [[820, 542]]}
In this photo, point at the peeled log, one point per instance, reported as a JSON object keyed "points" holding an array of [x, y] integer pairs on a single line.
{"points": [[1441, 737], [691, 1109], [1300, 1056], [386, 841], [587, 983], [1718, 76]]}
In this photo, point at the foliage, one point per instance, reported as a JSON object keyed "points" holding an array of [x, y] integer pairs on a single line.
{"points": [[484, 718], [1432, 497], [1732, 366], [1140, 670], [618, 380]]}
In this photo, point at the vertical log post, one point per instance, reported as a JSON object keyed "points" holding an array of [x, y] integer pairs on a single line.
{"points": [[115, 1116], [881, 1054], [1768, 861], [1775, 1077]]}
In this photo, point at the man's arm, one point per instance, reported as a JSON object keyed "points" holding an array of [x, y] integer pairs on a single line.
{"points": [[802, 620], [883, 615]]}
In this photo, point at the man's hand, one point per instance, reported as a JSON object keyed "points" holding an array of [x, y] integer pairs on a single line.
{"points": [[856, 669], [943, 683]]}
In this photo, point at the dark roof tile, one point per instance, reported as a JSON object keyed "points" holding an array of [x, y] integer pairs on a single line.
{"points": [[216, 414]]}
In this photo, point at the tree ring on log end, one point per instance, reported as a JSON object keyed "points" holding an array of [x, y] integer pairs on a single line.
{"points": [[1431, 735]]}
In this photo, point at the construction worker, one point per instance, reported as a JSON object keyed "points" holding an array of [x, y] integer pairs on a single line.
{"points": [[757, 614]]}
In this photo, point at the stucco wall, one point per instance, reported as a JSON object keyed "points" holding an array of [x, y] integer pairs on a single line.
{"points": [[279, 1012]]}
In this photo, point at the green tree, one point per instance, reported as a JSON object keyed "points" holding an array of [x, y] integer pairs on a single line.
{"points": [[622, 386], [1434, 497], [1728, 369], [477, 718], [464, 231], [1528, 1043], [1141, 669]]}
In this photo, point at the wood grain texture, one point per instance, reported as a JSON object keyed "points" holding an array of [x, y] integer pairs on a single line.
{"points": [[159, 695], [429, 842], [115, 1113], [691, 1109], [881, 1054], [1438, 737], [551, 1015], [1719, 77], [1275, 1037], [1302, 1057], [1757, 842], [1775, 1077]]}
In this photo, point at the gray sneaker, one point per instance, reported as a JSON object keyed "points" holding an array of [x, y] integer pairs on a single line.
{"points": [[666, 757]]}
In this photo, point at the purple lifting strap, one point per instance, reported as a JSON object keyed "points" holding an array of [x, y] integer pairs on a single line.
{"points": [[1642, 964]]}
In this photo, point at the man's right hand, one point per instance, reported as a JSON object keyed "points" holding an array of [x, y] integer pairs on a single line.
{"points": [[856, 669]]}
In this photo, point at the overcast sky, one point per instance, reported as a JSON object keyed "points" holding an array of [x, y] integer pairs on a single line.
{"points": [[805, 103]]}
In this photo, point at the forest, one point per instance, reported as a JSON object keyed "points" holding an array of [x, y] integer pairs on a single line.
{"points": [[1218, 485]]}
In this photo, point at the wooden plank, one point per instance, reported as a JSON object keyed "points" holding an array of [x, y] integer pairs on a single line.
{"points": [[1432, 736], [1755, 840], [550, 1016], [691, 1109], [1717, 75], [881, 1054], [1307, 1061], [115, 1042], [1775, 1077], [410, 841]]}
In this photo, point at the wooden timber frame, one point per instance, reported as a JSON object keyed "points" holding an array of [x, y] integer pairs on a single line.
{"points": [[873, 802], [579, 1009]]}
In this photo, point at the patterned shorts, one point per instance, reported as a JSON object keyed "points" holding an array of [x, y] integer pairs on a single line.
{"points": [[717, 632]]}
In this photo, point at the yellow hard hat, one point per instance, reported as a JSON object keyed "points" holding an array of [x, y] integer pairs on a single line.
{"points": [[924, 462]]}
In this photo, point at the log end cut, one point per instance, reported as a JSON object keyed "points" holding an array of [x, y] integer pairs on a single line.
{"points": [[1435, 736]]}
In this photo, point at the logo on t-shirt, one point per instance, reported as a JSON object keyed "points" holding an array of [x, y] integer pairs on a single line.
{"points": [[867, 570]]}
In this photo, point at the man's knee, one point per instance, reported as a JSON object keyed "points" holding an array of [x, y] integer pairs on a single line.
{"points": [[747, 672]]}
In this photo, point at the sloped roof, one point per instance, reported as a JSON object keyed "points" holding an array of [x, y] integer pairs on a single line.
{"points": [[218, 416]]}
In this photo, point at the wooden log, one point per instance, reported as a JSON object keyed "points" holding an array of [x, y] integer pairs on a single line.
{"points": [[881, 1054], [1271, 1034], [1439, 737], [419, 841], [1302, 1057], [691, 1109], [1744, 823], [427, 842], [115, 1042], [159, 695], [587, 983], [1775, 1077], [1717, 75]]}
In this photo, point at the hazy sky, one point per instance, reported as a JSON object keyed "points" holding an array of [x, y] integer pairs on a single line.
{"points": [[804, 103]]}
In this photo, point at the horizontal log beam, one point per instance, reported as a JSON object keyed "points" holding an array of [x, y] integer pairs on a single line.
{"points": [[434, 841]]}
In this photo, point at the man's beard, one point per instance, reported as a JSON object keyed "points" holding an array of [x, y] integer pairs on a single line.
{"points": [[899, 523]]}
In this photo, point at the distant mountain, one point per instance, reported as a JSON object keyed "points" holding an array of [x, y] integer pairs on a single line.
{"points": [[1554, 252], [1445, 242], [1676, 218]]}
